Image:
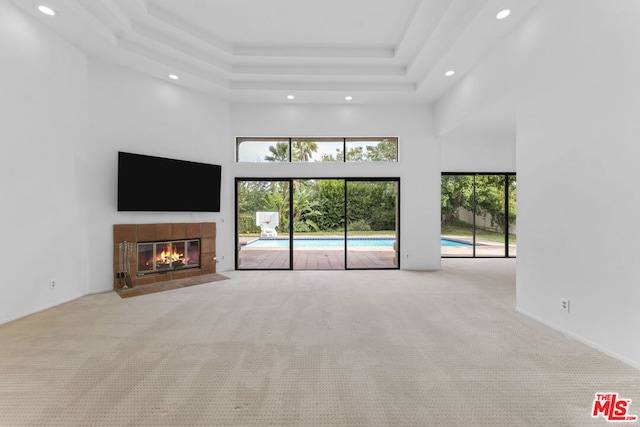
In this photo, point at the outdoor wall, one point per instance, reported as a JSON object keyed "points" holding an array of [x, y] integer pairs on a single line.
{"points": [[483, 222], [418, 166], [577, 153], [135, 113], [43, 99]]}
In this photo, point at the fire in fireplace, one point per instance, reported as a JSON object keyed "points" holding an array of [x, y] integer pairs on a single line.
{"points": [[154, 257]]}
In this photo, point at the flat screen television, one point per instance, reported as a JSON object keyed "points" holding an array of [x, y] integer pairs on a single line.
{"points": [[148, 183]]}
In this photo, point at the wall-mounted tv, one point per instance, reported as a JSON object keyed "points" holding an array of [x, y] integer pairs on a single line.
{"points": [[148, 183]]}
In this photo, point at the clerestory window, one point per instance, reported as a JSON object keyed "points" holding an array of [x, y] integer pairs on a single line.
{"points": [[291, 150]]}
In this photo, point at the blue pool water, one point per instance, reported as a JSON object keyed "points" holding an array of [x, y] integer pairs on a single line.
{"points": [[449, 242], [336, 243]]}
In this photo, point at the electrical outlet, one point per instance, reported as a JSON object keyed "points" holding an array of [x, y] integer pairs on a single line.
{"points": [[565, 304], [52, 283]]}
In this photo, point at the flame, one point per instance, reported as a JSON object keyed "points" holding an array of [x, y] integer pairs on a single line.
{"points": [[166, 256]]}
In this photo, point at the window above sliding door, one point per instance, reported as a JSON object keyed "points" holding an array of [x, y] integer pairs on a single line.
{"points": [[291, 150]]}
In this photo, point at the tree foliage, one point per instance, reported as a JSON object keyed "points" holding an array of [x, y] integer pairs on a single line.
{"points": [[279, 152], [383, 151], [480, 194], [318, 205], [303, 150]]}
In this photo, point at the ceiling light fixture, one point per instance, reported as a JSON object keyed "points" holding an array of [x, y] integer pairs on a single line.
{"points": [[46, 10], [503, 14], [348, 98], [449, 73], [173, 77], [291, 97]]}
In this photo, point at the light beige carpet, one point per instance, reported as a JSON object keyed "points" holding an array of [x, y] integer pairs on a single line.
{"points": [[326, 348]]}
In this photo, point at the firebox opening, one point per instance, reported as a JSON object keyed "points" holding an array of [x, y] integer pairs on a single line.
{"points": [[154, 257]]}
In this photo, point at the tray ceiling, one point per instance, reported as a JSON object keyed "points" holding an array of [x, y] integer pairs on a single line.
{"points": [[387, 51]]}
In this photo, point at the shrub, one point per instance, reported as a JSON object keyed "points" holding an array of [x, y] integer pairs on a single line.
{"points": [[247, 224], [359, 225]]}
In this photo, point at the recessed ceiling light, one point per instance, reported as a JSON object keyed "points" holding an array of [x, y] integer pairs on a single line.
{"points": [[173, 77], [291, 97], [449, 73], [503, 14], [348, 97], [46, 10]]}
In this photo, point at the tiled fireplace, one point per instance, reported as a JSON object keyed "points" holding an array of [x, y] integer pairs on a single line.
{"points": [[160, 252]]}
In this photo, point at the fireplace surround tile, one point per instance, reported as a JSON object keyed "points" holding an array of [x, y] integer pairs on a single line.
{"points": [[208, 245], [207, 261], [146, 280], [208, 229], [179, 231], [164, 277], [193, 272], [163, 232], [179, 275], [193, 231], [124, 233], [146, 233], [134, 233]]}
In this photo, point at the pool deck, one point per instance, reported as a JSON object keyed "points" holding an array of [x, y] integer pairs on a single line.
{"points": [[316, 258], [360, 257]]}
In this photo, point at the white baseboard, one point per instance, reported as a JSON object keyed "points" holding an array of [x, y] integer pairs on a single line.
{"points": [[37, 310], [634, 364]]}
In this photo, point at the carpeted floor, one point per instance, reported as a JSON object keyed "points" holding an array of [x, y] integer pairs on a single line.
{"points": [[325, 348]]}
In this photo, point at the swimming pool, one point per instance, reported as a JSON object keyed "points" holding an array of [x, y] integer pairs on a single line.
{"points": [[321, 243], [336, 242], [449, 242]]}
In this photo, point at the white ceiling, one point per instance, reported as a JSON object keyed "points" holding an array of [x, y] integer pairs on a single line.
{"points": [[378, 51]]}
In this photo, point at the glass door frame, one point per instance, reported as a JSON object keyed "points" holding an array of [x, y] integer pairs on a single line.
{"points": [[238, 180], [507, 176], [396, 180]]}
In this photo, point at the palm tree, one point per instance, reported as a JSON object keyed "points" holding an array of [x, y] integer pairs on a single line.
{"points": [[303, 150], [279, 153]]}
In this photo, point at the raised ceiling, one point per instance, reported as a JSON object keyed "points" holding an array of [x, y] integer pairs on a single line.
{"points": [[391, 51]]}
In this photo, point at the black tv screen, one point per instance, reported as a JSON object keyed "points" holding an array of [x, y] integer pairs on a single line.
{"points": [[148, 183]]}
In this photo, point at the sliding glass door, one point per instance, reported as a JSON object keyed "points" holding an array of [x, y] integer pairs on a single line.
{"points": [[262, 223], [457, 222], [317, 224], [372, 224], [478, 213]]}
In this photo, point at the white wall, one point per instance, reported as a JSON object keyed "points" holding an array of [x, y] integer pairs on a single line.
{"points": [[572, 69], [139, 114], [418, 166], [578, 159], [478, 154], [43, 99]]}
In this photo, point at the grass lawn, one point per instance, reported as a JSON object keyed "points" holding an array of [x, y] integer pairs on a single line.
{"points": [[480, 234]]}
